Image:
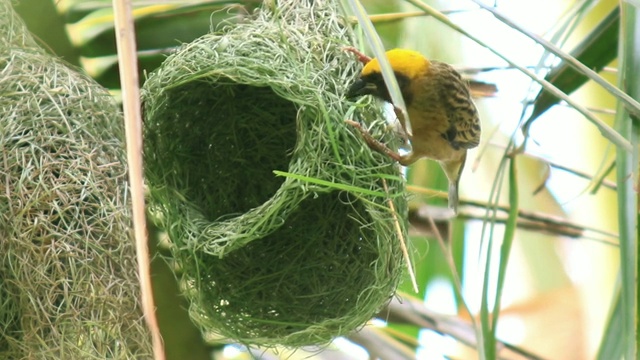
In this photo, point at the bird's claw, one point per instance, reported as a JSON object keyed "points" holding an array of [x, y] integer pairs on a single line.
{"points": [[373, 143], [360, 55]]}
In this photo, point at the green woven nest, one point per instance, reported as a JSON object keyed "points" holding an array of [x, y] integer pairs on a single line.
{"points": [[68, 284], [264, 259]]}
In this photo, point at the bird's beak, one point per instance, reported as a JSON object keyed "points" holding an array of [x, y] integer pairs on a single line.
{"points": [[361, 87]]}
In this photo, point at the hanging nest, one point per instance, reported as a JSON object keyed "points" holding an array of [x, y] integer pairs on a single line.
{"points": [[68, 284], [277, 215]]}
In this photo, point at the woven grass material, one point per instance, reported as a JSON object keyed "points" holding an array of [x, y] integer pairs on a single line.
{"points": [[68, 285], [264, 259]]}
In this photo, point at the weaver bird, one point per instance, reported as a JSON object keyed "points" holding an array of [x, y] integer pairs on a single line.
{"points": [[444, 120]]}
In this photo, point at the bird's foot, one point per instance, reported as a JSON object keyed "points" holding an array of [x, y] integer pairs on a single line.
{"points": [[361, 56], [406, 133], [375, 144]]}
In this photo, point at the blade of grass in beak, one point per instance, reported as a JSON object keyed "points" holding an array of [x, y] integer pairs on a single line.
{"points": [[379, 52]]}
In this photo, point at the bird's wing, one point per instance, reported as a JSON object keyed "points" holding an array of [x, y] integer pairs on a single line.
{"points": [[464, 123]]}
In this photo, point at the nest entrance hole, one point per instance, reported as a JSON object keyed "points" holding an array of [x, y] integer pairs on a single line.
{"points": [[284, 283], [227, 139]]}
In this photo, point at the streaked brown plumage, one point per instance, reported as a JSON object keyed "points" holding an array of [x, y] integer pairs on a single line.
{"points": [[444, 120]]}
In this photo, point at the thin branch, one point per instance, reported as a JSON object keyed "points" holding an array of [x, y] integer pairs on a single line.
{"points": [[600, 181], [127, 57], [528, 220], [398, 16], [414, 312], [380, 345]]}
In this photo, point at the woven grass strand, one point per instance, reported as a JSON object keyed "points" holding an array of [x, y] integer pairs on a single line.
{"points": [[68, 285], [268, 260]]}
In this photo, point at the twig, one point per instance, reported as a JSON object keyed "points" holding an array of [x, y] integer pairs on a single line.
{"points": [[380, 345], [127, 58], [600, 181], [529, 220], [411, 311], [398, 16]]}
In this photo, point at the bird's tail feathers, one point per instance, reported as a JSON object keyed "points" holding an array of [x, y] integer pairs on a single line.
{"points": [[453, 195], [453, 170]]}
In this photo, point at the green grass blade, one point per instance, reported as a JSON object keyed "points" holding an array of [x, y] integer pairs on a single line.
{"points": [[630, 104], [596, 51], [507, 240], [570, 21], [627, 172], [489, 319], [612, 341], [487, 348], [379, 52], [337, 186]]}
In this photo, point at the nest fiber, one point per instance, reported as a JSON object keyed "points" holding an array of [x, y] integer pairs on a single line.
{"points": [[294, 257], [68, 285]]}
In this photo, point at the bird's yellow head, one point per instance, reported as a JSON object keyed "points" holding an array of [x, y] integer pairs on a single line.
{"points": [[406, 65], [404, 62]]}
